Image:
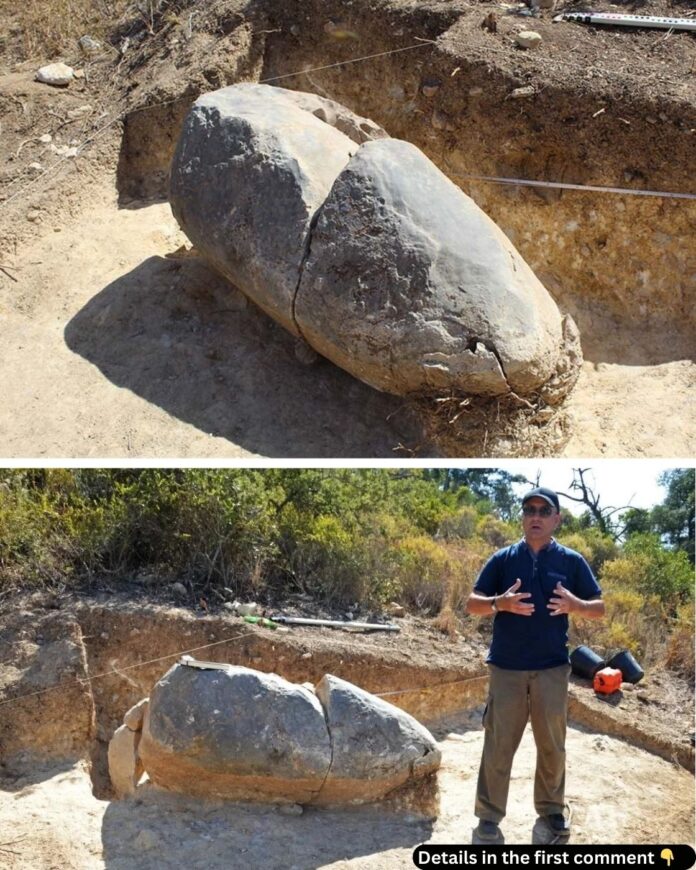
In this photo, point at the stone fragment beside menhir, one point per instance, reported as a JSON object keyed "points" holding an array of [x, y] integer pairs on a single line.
{"points": [[358, 244], [232, 732]]}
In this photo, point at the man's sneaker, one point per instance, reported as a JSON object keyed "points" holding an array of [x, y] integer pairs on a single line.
{"points": [[558, 823], [487, 830]]}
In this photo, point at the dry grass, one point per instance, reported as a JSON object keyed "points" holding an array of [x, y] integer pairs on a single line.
{"points": [[679, 656], [464, 565], [447, 622], [465, 426], [47, 29]]}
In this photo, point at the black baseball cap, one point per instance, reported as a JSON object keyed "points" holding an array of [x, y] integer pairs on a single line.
{"points": [[548, 495]]}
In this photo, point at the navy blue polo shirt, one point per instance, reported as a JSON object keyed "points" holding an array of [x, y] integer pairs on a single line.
{"points": [[539, 641]]}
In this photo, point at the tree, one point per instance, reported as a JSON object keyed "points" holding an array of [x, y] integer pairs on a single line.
{"points": [[492, 484], [606, 519], [673, 520]]}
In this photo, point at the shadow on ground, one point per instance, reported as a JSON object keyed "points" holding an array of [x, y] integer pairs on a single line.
{"points": [[161, 830], [22, 775], [180, 336]]}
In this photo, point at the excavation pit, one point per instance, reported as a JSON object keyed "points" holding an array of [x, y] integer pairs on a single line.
{"points": [[578, 111], [621, 764]]}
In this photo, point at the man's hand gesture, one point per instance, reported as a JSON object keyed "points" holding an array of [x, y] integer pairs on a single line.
{"points": [[563, 602], [511, 601]]}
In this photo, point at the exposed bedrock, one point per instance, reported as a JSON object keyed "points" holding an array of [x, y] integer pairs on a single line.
{"points": [[365, 249]]}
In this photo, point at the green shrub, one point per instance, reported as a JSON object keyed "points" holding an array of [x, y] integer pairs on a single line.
{"points": [[424, 572], [459, 525], [642, 590], [666, 573], [496, 532], [328, 561]]}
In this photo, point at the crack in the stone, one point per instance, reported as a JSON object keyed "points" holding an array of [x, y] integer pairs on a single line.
{"points": [[488, 344], [305, 256], [331, 746]]}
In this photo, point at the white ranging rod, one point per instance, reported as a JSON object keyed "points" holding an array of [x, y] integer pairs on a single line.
{"points": [[617, 18], [336, 623]]}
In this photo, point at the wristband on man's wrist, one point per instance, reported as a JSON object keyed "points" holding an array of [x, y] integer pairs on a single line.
{"points": [[494, 604]]}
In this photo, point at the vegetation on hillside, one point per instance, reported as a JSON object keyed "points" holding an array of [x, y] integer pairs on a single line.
{"points": [[49, 29], [343, 536]]}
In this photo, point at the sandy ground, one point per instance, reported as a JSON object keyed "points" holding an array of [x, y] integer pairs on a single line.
{"points": [[616, 793], [115, 348]]}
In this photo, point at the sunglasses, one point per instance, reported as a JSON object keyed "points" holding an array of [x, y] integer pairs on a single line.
{"points": [[531, 511]]}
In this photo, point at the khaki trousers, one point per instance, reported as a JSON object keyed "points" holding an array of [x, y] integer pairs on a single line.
{"points": [[514, 697]]}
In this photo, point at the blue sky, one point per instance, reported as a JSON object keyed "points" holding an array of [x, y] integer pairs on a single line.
{"points": [[618, 481]]}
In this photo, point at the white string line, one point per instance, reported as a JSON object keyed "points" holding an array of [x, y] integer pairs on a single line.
{"points": [[528, 182], [301, 72], [146, 106], [60, 161], [111, 89], [81, 681], [433, 686], [354, 60], [487, 179]]}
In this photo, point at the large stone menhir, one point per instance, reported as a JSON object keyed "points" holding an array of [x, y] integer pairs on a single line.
{"points": [[235, 733], [362, 247], [240, 734], [252, 166]]}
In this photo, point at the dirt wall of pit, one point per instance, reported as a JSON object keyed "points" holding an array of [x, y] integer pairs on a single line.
{"points": [[605, 258], [118, 638], [105, 658], [39, 653]]}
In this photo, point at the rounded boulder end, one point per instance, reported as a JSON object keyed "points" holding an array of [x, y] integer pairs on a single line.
{"points": [[377, 747], [412, 288], [252, 166]]}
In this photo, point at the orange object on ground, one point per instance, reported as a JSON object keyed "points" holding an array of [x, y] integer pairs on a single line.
{"points": [[607, 680]]}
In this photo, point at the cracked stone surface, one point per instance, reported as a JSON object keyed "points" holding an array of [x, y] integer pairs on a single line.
{"points": [[376, 746], [360, 246], [250, 170], [235, 733], [412, 288], [241, 734]]}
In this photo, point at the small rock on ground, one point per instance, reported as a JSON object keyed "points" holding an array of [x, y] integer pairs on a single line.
{"points": [[89, 45], [57, 74], [521, 93], [290, 809], [528, 39]]}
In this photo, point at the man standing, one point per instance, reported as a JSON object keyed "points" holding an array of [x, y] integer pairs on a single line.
{"points": [[530, 588]]}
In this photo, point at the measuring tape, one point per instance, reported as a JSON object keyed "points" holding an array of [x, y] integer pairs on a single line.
{"points": [[616, 18]]}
